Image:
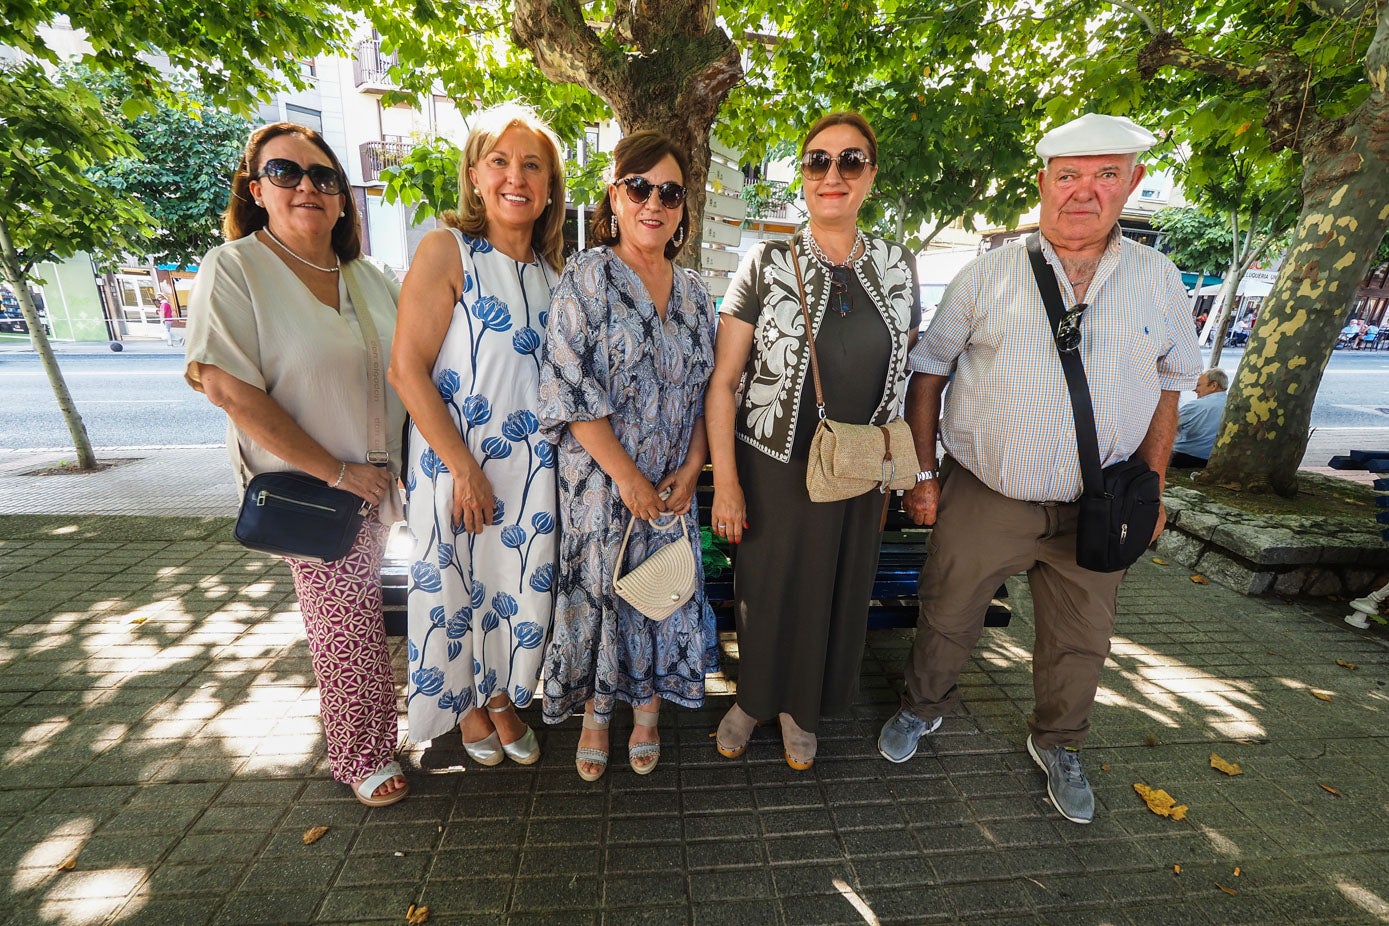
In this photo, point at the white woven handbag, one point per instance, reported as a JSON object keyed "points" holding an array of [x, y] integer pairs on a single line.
{"points": [[664, 581]]}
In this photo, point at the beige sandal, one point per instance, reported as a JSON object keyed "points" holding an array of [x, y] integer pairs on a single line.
{"points": [[589, 755], [797, 745], [643, 751]]}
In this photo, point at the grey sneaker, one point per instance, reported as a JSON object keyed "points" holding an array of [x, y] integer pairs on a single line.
{"points": [[900, 735], [1066, 784]]}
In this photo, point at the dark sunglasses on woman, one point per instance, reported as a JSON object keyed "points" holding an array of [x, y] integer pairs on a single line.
{"points": [[286, 173], [815, 163], [639, 190]]}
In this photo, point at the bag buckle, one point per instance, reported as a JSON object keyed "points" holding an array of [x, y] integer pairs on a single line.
{"points": [[820, 409], [889, 474], [378, 457]]}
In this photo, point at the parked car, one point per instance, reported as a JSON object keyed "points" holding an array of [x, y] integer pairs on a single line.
{"points": [[12, 320]]}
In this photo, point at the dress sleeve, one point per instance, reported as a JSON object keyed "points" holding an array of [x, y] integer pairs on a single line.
{"points": [[574, 362], [699, 297], [743, 300], [222, 328]]}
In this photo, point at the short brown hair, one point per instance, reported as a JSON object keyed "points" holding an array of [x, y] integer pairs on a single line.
{"points": [[243, 217], [845, 117], [638, 152], [547, 235]]}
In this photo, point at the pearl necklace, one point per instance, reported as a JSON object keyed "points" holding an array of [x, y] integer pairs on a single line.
{"points": [[815, 248], [301, 260]]}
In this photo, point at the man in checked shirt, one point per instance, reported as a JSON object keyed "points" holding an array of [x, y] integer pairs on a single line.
{"points": [[1004, 499]]}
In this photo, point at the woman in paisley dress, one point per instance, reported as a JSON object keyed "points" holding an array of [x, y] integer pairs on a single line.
{"points": [[802, 607], [628, 351], [481, 478]]}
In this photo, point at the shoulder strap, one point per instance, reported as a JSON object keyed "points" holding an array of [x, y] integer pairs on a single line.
{"points": [[377, 452], [1087, 439], [809, 330]]}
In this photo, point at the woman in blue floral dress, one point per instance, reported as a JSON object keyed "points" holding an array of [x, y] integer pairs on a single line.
{"points": [[628, 350], [481, 478]]}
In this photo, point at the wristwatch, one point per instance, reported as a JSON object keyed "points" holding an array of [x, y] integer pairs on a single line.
{"points": [[925, 475]]}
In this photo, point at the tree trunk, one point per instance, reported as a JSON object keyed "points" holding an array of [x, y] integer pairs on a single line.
{"points": [[682, 69], [9, 263], [1223, 309], [1345, 214]]}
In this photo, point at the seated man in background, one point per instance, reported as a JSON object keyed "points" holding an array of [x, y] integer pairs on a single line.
{"points": [[1199, 420]]}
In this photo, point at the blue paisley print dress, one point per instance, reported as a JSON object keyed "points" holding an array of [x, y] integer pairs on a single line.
{"points": [[607, 354], [480, 604]]}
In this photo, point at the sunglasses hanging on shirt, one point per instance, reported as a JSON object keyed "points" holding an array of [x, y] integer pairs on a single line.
{"points": [[286, 173], [816, 162], [639, 190], [1068, 331]]}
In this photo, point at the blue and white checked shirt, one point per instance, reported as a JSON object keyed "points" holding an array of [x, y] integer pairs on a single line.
{"points": [[1007, 414]]}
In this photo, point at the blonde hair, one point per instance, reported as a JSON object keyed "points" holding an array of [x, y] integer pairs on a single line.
{"points": [[547, 236]]}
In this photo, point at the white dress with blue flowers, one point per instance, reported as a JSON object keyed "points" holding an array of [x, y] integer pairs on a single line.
{"points": [[480, 604]]}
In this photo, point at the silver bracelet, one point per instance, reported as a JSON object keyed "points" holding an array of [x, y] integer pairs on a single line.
{"points": [[342, 472]]}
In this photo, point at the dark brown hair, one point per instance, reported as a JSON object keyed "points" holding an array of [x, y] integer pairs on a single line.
{"points": [[638, 152], [547, 236], [243, 217], [848, 118]]}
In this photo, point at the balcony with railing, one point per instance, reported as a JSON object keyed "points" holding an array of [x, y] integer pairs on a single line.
{"points": [[370, 67], [767, 199], [378, 155]]}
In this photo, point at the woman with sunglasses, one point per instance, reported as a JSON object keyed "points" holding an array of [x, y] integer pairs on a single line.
{"points": [[628, 351], [481, 479], [804, 572], [275, 340]]}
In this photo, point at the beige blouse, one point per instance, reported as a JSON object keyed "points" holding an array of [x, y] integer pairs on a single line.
{"points": [[253, 318]]}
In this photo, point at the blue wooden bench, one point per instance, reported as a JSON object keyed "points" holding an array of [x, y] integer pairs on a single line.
{"points": [[894, 601]]}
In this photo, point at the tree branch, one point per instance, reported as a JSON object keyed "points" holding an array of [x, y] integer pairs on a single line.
{"points": [[1164, 50]]}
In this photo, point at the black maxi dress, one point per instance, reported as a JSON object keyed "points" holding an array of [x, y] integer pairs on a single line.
{"points": [[804, 572]]}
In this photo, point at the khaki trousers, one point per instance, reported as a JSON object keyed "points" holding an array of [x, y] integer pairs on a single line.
{"points": [[981, 538]]}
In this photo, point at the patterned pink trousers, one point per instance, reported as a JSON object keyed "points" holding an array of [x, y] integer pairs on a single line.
{"points": [[341, 604]]}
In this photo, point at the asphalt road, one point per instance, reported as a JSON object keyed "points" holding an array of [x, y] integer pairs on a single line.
{"points": [[138, 398]]}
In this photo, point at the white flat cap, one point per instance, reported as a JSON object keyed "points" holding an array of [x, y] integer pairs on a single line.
{"points": [[1093, 133]]}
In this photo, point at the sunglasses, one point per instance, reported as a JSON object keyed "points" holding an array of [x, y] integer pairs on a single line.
{"points": [[815, 163], [839, 290], [285, 173], [639, 190], [1068, 332]]}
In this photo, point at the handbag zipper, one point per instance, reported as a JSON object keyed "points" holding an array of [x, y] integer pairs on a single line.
{"points": [[264, 494]]}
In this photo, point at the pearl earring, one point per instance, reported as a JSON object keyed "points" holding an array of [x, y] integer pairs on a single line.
{"points": [[548, 200], [261, 204], [476, 191], [343, 213], [612, 225]]}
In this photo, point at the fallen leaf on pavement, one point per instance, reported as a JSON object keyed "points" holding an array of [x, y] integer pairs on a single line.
{"points": [[1200, 580], [1150, 740], [1176, 869], [69, 863], [1159, 560], [1328, 789], [1229, 890], [1104, 766], [1160, 802], [138, 620], [1346, 665], [416, 915], [313, 834], [1229, 768], [1237, 871], [1321, 696]]}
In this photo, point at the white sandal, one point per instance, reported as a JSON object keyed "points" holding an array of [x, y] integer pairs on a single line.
{"points": [[365, 790]]}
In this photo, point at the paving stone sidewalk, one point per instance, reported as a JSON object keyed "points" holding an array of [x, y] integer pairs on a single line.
{"points": [[158, 730]]}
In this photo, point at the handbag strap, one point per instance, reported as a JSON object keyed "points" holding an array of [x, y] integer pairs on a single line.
{"points": [[1082, 407], [809, 331], [627, 536], [377, 452]]}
